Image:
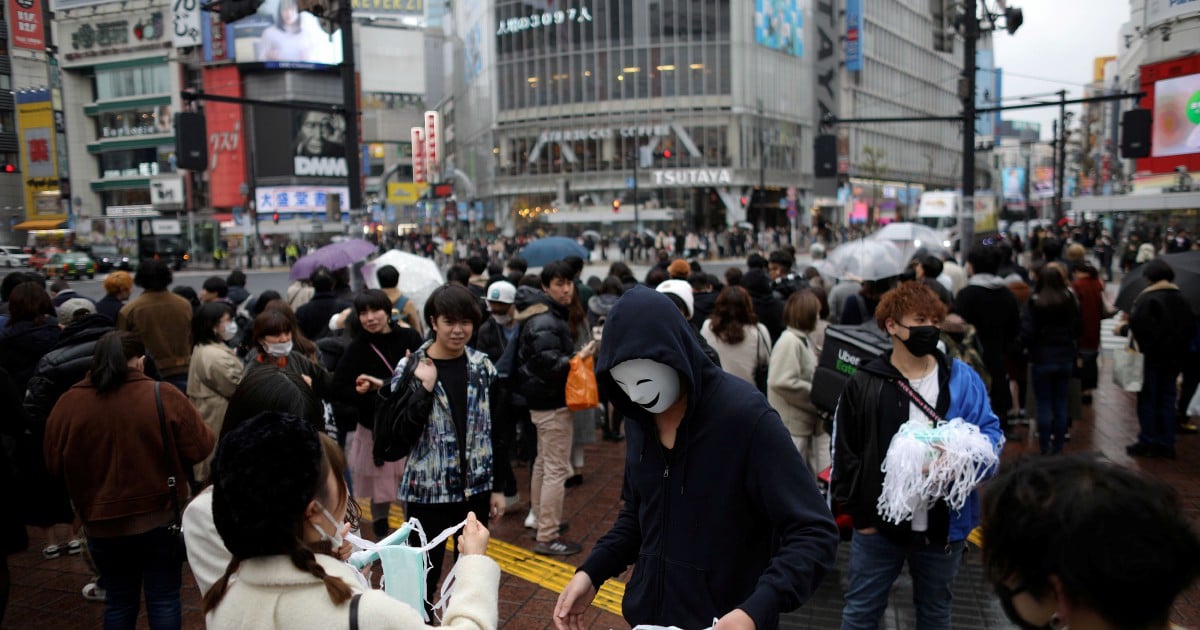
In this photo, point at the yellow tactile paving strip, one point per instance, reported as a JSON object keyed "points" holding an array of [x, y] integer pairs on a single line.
{"points": [[547, 573]]}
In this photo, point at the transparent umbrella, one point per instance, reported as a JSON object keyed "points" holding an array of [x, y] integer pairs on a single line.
{"points": [[419, 276], [910, 237], [868, 259]]}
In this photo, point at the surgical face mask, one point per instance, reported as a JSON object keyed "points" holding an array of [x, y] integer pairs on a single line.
{"points": [[649, 384], [279, 350], [922, 340], [230, 330], [335, 539]]}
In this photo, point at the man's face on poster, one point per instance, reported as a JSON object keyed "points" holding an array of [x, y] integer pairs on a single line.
{"points": [[311, 137]]}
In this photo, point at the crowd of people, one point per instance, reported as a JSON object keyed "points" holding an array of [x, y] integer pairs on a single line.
{"points": [[243, 432]]}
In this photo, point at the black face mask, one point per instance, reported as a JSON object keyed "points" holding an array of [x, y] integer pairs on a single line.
{"points": [[922, 340], [1006, 595]]}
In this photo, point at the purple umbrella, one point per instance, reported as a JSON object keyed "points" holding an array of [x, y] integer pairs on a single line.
{"points": [[332, 256]]}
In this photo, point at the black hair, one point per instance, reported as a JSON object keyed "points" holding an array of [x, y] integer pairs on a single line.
{"points": [[756, 261], [216, 284], [458, 273], [110, 359], [205, 318], [153, 275], [622, 271], [733, 276], [11, 280], [576, 264], [454, 302], [698, 281], [29, 302], [1157, 270], [1052, 248], [984, 259], [477, 264], [372, 300], [656, 276], [931, 265], [516, 263], [679, 304], [272, 321], [1117, 539], [782, 258], [271, 390], [388, 277], [264, 298], [612, 285], [58, 285], [321, 280], [756, 281], [236, 278], [495, 269], [530, 280], [559, 269], [187, 293]]}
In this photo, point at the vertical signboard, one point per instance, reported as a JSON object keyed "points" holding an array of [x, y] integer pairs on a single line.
{"points": [[433, 144], [186, 17], [417, 135], [854, 33], [826, 77], [35, 128], [28, 27], [226, 153]]}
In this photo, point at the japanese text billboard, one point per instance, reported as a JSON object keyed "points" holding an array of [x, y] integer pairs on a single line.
{"points": [[35, 130], [226, 149]]}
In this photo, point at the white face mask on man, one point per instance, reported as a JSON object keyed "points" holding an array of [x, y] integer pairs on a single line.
{"points": [[649, 384]]}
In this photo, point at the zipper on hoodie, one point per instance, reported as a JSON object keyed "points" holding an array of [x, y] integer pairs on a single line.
{"points": [[662, 552]]}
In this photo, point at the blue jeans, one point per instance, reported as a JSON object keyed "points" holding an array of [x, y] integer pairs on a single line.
{"points": [[129, 564], [1051, 381], [1156, 405], [875, 563]]}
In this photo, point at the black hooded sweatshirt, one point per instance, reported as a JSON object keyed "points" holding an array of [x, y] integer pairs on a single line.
{"points": [[730, 517]]}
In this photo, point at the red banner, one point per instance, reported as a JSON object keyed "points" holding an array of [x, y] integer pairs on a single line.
{"points": [[226, 138], [28, 28]]}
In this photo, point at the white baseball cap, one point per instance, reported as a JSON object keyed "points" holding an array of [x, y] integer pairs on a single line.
{"points": [[682, 289], [502, 291]]}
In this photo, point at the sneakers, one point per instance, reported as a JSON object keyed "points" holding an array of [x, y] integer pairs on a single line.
{"points": [[51, 551], [1188, 428], [74, 547], [557, 547], [93, 592], [530, 521]]}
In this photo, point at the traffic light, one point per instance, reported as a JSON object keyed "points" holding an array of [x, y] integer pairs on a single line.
{"points": [[616, 205], [1013, 19], [275, 218], [942, 12], [9, 168], [191, 141], [825, 156], [665, 154], [1135, 133]]}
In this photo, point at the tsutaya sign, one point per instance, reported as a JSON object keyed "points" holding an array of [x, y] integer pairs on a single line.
{"points": [[564, 136], [693, 177]]}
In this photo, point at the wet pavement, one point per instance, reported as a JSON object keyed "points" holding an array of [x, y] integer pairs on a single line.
{"points": [[46, 593]]}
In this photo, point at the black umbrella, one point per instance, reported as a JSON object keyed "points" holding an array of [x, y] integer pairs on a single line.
{"points": [[1187, 277]]}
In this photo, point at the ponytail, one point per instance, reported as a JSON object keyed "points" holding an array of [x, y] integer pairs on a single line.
{"points": [[110, 361]]}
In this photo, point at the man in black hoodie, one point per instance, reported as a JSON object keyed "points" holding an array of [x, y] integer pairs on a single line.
{"points": [[720, 513], [990, 306]]}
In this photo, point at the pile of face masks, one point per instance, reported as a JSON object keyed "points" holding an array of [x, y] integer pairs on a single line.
{"points": [[404, 567], [926, 463]]}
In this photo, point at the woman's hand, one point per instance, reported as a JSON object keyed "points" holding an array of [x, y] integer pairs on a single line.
{"points": [[474, 538], [426, 372], [343, 553], [588, 350], [307, 380], [367, 383]]}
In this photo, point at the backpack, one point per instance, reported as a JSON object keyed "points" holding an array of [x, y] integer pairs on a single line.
{"points": [[969, 351]]}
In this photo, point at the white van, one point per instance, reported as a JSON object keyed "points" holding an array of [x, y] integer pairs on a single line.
{"points": [[939, 209]]}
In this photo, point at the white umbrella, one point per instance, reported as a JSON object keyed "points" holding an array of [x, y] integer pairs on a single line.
{"points": [[869, 259], [419, 276], [592, 233], [910, 237]]}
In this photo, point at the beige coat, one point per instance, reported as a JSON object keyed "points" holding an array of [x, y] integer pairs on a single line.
{"points": [[213, 375], [789, 383], [269, 592]]}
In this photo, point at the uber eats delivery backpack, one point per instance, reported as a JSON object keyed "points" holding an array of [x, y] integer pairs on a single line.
{"points": [[846, 349]]}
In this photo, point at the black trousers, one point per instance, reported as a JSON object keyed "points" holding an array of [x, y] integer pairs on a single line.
{"points": [[434, 518]]}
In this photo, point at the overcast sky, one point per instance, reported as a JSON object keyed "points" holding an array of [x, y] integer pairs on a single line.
{"points": [[1058, 41]]}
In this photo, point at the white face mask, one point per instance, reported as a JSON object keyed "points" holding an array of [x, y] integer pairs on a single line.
{"points": [[334, 539], [279, 350], [650, 384], [230, 330]]}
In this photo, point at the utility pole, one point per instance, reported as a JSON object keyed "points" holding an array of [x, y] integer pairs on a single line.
{"points": [[762, 165], [637, 217], [966, 233], [1054, 143], [1061, 156], [350, 105]]}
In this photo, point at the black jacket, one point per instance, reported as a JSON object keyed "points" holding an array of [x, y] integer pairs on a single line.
{"points": [[1051, 333], [22, 345], [1162, 323], [361, 358], [109, 306], [64, 365], [767, 307], [544, 351], [314, 315], [990, 306], [702, 307], [767, 547]]}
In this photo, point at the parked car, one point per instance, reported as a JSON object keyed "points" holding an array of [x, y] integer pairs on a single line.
{"points": [[108, 257], [13, 256], [74, 265], [40, 258]]}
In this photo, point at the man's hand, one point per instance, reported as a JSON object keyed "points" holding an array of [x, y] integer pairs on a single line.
{"points": [[574, 601], [497, 503], [426, 372], [737, 619], [367, 383]]}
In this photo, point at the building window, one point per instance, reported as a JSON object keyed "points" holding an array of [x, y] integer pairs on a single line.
{"points": [[134, 122], [138, 162], [127, 82], [127, 197], [6, 123], [5, 81]]}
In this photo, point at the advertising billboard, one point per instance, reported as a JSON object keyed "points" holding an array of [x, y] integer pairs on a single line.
{"points": [[1013, 185], [35, 130], [854, 33], [303, 200], [779, 25], [282, 35], [1172, 91], [1176, 128], [28, 26], [317, 146], [1159, 11], [112, 34], [226, 151]]}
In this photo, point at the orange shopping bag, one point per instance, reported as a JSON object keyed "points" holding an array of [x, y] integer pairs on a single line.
{"points": [[582, 391]]}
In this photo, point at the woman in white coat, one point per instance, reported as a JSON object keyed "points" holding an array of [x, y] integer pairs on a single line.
{"points": [[215, 370], [789, 380]]}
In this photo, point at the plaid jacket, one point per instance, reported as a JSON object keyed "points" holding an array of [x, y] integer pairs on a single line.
{"points": [[434, 473]]}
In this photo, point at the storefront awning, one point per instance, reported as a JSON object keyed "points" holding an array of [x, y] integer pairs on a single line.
{"points": [[40, 224]]}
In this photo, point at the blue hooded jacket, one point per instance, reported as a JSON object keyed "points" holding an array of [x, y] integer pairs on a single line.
{"points": [[730, 517]]}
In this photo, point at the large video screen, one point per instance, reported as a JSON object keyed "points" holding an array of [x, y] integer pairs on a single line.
{"points": [[279, 33], [779, 25], [317, 147], [1176, 116]]}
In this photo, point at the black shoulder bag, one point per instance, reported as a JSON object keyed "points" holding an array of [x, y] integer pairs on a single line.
{"points": [[175, 529], [760, 369], [401, 416]]}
